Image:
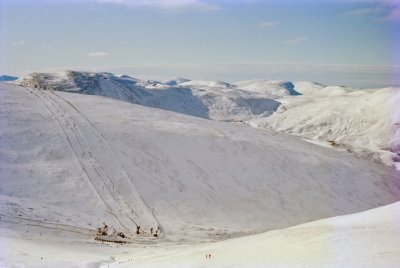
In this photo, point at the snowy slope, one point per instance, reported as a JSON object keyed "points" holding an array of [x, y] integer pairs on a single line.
{"points": [[226, 102], [206, 99], [205, 83], [69, 162], [270, 87], [197, 177], [364, 122], [368, 239]]}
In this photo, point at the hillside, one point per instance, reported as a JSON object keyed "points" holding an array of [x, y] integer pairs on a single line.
{"points": [[369, 239], [270, 87], [195, 176], [216, 102], [360, 121], [363, 122]]}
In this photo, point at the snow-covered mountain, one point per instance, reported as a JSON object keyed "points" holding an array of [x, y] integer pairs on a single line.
{"points": [[363, 122], [269, 87], [70, 162], [192, 174], [212, 101]]}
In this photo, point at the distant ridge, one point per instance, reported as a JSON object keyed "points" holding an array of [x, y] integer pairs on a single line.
{"points": [[207, 99]]}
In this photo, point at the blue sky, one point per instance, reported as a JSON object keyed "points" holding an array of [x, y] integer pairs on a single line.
{"points": [[346, 42]]}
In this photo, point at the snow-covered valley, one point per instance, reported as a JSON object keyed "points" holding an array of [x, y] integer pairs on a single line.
{"points": [[196, 162]]}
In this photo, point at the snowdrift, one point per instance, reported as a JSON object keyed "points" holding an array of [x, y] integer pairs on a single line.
{"points": [[194, 177]]}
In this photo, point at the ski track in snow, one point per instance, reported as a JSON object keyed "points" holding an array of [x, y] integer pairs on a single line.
{"points": [[101, 166], [48, 225]]}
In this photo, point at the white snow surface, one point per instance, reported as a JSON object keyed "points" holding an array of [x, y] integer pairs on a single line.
{"points": [[207, 99], [368, 239], [69, 162], [365, 122], [270, 87]]}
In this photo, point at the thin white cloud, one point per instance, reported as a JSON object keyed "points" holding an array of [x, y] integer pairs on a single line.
{"points": [[268, 24], [165, 4], [393, 15], [296, 40], [18, 43], [391, 2], [97, 54], [392, 10], [382, 10], [361, 12]]}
